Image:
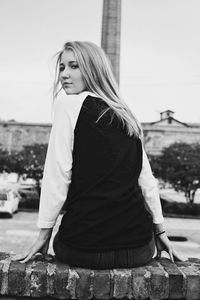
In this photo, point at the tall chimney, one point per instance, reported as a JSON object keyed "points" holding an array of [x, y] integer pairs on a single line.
{"points": [[111, 30]]}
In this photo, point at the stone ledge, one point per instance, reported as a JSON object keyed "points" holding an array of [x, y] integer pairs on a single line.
{"points": [[160, 279]]}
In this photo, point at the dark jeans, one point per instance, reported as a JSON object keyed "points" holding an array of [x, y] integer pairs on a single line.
{"points": [[121, 258]]}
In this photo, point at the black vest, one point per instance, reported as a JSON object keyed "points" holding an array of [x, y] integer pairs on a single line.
{"points": [[104, 207]]}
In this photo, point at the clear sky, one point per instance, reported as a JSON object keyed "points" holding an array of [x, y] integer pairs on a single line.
{"points": [[160, 54]]}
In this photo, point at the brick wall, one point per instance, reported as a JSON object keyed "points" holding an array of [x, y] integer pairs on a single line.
{"points": [[52, 280]]}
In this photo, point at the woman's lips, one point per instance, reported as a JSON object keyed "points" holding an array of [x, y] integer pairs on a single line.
{"points": [[66, 83]]}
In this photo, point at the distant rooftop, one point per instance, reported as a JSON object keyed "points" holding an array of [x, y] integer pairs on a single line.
{"points": [[13, 122], [168, 115], [164, 115]]}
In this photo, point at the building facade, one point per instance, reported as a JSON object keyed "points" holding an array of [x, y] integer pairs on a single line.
{"points": [[167, 131], [157, 135], [14, 135]]}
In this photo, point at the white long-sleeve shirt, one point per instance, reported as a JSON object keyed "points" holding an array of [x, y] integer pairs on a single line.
{"points": [[58, 165]]}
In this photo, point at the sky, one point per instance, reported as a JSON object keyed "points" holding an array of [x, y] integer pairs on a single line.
{"points": [[160, 54]]}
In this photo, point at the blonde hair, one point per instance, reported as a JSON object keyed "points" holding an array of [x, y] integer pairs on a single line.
{"points": [[99, 79]]}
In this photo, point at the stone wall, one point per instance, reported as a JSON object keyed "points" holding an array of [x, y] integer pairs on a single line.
{"points": [[50, 279]]}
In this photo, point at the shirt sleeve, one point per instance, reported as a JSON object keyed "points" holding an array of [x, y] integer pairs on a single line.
{"points": [[57, 170], [150, 191]]}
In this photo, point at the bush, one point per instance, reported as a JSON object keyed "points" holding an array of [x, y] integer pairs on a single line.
{"points": [[180, 208]]}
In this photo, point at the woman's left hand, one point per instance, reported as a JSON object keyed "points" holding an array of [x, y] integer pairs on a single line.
{"points": [[163, 244]]}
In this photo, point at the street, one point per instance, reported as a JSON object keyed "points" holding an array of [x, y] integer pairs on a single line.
{"points": [[18, 234]]}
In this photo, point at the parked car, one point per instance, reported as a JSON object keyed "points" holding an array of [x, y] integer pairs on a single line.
{"points": [[9, 201], [29, 197]]}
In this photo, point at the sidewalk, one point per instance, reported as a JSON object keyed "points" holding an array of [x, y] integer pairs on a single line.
{"points": [[172, 195], [188, 228]]}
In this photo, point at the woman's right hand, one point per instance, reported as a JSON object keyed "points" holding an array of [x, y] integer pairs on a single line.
{"points": [[163, 244], [41, 245]]}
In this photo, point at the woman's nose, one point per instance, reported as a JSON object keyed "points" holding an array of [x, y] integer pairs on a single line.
{"points": [[65, 73]]}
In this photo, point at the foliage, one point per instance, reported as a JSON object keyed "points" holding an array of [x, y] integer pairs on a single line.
{"points": [[179, 164], [180, 208], [29, 162], [32, 159], [5, 161]]}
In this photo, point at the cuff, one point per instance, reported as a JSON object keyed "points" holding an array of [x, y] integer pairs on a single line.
{"points": [[158, 220], [43, 224]]}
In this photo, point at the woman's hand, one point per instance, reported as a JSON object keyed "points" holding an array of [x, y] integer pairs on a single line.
{"points": [[41, 245], [163, 244]]}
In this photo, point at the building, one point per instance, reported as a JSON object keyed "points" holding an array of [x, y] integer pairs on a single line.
{"points": [[157, 135], [14, 135], [168, 130]]}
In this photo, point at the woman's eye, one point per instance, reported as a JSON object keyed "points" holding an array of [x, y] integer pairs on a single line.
{"points": [[74, 66], [61, 68]]}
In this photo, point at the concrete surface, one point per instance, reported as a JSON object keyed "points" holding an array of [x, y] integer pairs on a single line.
{"points": [[18, 234]]}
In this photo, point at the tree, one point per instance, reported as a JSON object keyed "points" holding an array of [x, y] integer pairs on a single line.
{"points": [[30, 162], [179, 164], [4, 160]]}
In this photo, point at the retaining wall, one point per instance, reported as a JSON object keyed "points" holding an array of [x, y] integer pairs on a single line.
{"points": [[49, 279]]}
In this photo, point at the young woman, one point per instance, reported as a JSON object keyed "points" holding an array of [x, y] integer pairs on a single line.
{"points": [[97, 166]]}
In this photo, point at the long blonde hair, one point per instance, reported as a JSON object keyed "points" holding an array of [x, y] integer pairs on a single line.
{"points": [[99, 79]]}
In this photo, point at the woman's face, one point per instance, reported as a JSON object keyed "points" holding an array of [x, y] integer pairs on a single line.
{"points": [[70, 75]]}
